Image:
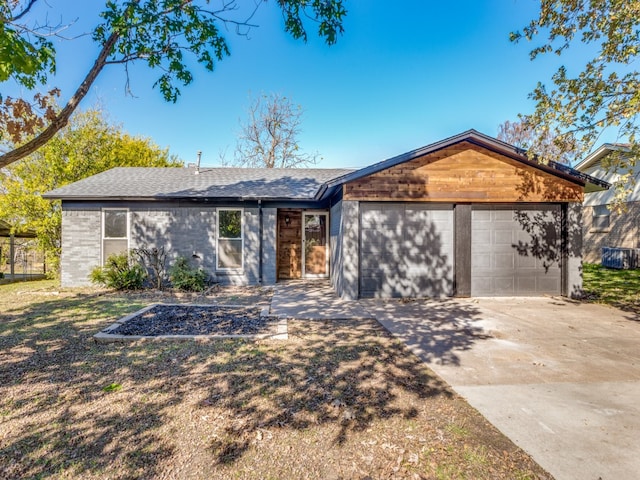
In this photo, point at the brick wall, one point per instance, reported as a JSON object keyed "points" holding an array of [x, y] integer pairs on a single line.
{"points": [[622, 232], [81, 237], [269, 257], [183, 231]]}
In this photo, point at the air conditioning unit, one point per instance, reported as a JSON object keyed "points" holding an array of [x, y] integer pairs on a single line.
{"points": [[621, 258]]}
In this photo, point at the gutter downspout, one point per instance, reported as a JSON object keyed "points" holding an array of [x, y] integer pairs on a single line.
{"points": [[260, 248]]}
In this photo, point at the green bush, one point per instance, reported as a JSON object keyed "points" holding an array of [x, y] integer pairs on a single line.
{"points": [[185, 277], [120, 273]]}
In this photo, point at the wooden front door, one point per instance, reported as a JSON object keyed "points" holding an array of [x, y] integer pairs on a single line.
{"points": [[315, 244], [303, 244], [289, 244]]}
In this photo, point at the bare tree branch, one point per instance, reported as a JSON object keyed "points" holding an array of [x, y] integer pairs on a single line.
{"points": [[270, 137]]}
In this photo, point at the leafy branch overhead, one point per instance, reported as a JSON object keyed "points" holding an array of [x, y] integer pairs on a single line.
{"points": [[167, 35], [605, 95]]}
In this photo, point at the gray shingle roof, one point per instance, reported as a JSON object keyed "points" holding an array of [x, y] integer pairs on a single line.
{"points": [[165, 183]]}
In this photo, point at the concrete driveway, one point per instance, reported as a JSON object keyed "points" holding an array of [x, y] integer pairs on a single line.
{"points": [[561, 379]]}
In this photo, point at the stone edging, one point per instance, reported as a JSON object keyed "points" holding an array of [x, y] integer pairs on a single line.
{"points": [[104, 336]]}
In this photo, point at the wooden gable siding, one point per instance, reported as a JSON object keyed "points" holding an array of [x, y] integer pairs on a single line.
{"points": [[463, 173]]}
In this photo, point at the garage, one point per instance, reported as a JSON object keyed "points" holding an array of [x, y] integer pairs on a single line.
{"points": [[466, 216], [516, 250], [406, 250]]}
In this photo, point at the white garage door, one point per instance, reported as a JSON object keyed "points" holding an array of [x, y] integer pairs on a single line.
{"points": [[515, 251], [406, 250]]}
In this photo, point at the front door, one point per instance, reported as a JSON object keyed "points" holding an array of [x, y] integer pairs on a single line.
{"points": [[315, 245]]}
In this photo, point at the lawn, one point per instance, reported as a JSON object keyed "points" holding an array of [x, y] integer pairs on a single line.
{"points": [[337, 400], [618, 288]]}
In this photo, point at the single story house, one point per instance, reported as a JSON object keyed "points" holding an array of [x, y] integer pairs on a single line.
{"points": [[604, 225], [466, 216]]}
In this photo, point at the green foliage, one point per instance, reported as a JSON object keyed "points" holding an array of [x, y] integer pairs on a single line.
{"points": [[26, 59], [186, 277], [161, 32], [605, 94], [620, 288], [165, 34], [89, 145], [119, 273], [230, 224], [328, 14], [112, 387]]}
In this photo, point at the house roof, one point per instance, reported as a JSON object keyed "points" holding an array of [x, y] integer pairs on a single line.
{"points": [[601, 152], [228, 183], [274, 183], [479, 139]]}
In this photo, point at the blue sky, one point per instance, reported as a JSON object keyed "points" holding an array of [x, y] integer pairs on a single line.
{"points": [[403, 75]]}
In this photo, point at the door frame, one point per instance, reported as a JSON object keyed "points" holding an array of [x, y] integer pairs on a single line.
{"points": [[327, 243]]}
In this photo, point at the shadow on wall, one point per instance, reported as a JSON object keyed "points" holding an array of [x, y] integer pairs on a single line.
{"points": [[187, 232], [406, 250], [545, 227], [623, 230], [543, 236]]}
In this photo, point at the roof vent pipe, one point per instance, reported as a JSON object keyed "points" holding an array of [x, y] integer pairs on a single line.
{"points": [[198, 163]]}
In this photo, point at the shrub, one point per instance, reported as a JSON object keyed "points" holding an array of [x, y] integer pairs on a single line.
{"points": [[120, 273], [185, 277], [154, 261]]}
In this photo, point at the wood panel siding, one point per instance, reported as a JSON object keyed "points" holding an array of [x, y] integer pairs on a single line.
{"points": [[289, 244], [463, 173]]}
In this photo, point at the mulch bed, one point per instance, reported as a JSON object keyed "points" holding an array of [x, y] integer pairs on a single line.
{"points": [[197, 320]]}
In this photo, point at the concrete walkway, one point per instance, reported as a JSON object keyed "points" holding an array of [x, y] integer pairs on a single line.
{"points": [[312, 300], [560, 379]]}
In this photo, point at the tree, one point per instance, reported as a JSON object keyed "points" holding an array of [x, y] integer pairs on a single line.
{"points": [[88, 145], [166, 34], [523, 136], [269, 138], [605, 94]]}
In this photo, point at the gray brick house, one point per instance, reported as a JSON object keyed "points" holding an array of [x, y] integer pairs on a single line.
{"points": [[604, 225], [468, 215]]}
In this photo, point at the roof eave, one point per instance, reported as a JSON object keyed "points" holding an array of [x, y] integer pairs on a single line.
{"points": [[120, 198], [602, 151], [471, 136]]}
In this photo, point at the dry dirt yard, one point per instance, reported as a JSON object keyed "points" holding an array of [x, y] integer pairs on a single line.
{"points": [[336, 401]]}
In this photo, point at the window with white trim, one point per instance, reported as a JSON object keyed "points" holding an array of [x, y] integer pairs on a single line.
{"points": [[601, 217], [230, 239], [115, 232]]}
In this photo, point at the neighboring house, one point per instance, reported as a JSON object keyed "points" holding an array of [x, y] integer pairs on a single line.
{"points": [[469, 215], [604, 225]]}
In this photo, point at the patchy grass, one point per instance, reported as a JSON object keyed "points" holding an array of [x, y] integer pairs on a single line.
{"points": [[338, 400], [618, 288]]}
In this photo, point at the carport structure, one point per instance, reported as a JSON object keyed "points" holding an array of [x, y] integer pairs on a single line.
{"points": [[6, 232]]}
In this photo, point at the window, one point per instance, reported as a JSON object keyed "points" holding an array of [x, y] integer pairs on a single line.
{"points": [[115, 232], [229, 239], [601, 215]]}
